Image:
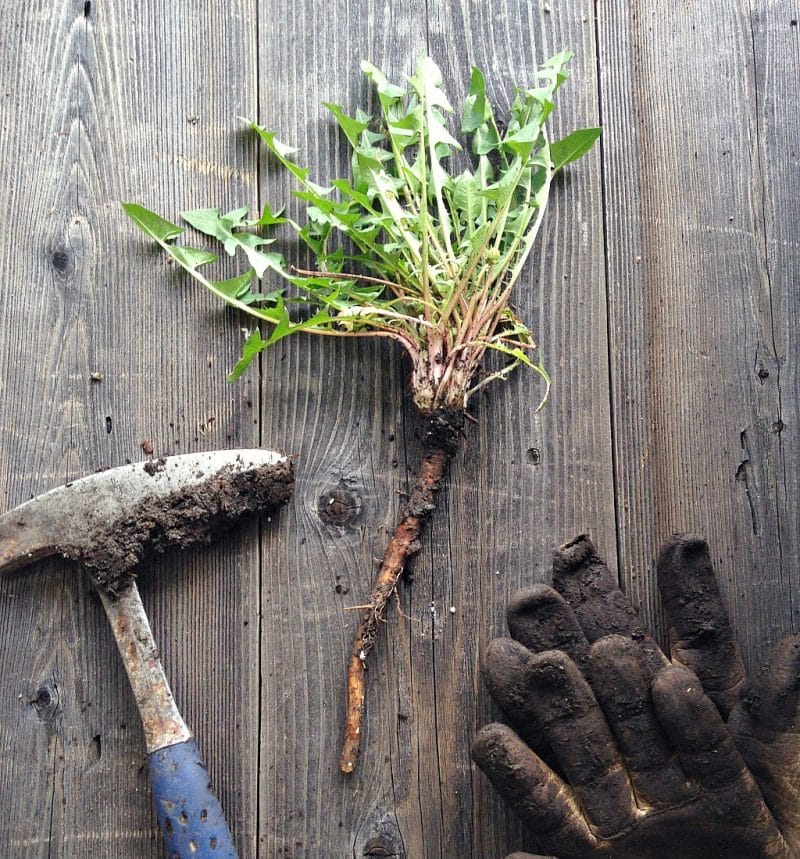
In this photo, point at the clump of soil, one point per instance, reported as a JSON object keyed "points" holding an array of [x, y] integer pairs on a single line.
{"points": [[155, 465], [196, 514]]}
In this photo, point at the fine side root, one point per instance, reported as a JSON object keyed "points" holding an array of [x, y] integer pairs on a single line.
{"points": [[404, 544]]}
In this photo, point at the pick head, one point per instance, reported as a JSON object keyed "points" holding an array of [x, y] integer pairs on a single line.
{"points": [[110, 520]]}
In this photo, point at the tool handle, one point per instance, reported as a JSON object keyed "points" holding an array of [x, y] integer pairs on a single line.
{"points": [[190, 816]]}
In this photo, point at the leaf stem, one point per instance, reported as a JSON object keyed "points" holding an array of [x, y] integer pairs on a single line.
{"points": [[395, 287]]}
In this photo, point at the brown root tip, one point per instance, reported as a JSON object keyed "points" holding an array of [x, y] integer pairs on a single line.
{"points": [[350, 749], [355, 708]]}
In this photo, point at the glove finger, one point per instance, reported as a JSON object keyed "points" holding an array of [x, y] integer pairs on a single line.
{"points": [[539, 618], [592, 592], [709, 755], [765, 728], [622, 687], [773, 699], [506, 669], [563, 705], [534, 791], [700, 632]]}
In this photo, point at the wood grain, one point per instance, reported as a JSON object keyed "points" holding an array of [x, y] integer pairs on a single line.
{"points": [[527, 481], [101, 106], [776, 72], [415, 781], [701, 365], [339, 407], [664, 294]]}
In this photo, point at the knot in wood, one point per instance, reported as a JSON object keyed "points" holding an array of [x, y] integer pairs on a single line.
{"points": [[61, 261], [338, 506], [45, 702], [381, 845], [378, 850]]}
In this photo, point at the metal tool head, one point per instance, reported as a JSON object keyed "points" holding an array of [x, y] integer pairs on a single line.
{"points": [[110, 520]]}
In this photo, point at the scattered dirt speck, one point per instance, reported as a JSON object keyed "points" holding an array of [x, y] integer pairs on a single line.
{"points": [[155, 465]]}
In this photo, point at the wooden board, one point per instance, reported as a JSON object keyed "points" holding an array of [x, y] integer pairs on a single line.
{"points": [[346, 413], [664, 294], [703, 297], [102, 105]]}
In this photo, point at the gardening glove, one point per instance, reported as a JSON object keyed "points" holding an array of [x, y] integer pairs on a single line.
{"points": [[619, 752]]}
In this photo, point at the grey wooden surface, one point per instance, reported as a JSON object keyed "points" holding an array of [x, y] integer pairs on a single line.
{"points": [[666, 297]]}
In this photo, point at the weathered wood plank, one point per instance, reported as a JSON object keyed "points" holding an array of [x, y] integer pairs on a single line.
{"points": [[101, 105], [702, 299], [342, 409], [527, 480], [338, 407], [776, 75]]}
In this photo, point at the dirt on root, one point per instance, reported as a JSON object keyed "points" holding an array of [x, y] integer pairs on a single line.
{"points": [[444, 429], [195, 515]]}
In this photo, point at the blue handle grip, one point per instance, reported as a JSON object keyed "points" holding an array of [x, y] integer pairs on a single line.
{"points": [[190, 816]]}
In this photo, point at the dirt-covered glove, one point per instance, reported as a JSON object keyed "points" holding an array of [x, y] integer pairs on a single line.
{"points": [[619, 752]]}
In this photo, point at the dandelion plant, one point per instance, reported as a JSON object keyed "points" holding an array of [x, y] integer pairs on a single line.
{"points": [[408, 250]]}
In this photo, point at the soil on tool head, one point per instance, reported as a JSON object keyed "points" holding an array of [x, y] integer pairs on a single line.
{"points": [[196, 514]]}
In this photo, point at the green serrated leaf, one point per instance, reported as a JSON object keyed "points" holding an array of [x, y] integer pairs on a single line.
{"points": [[236, 287], [467, 200], [573, 146], [521, 141], [388, 94], [351, 127], [269, 218], [282, 152], [192, 258], [504, 186], [485, 139], [151, 224], [251, 347], [477, 109], [228, 229], [554, 69], [236, 217], [205, 220]]}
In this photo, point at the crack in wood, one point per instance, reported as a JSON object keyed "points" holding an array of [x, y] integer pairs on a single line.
{"points": [[744, 476]]}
